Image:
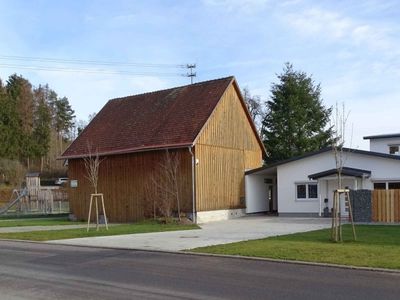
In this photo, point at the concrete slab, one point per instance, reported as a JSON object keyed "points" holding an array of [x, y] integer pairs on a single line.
{"points": [[222, 232]]}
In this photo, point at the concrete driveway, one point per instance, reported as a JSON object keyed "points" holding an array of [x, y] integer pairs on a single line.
{"points": [[223, 232]]}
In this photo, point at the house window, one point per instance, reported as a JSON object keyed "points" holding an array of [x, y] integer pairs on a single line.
{"points": [[313, 191], [380, 186], [394, 185], [394, 149], [306, 191], [301, 191], [390, 185]]}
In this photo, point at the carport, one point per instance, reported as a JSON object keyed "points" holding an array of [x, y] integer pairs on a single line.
{"points": [[261, 190]]}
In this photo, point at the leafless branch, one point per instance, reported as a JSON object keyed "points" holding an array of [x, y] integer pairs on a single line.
{"points": [[92, 165]]}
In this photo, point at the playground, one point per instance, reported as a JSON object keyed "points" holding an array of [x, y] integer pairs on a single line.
{"points": [[34, 199]]}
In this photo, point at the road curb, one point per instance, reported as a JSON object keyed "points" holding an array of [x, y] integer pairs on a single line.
{"points": [[297, 262], [188, 252]]}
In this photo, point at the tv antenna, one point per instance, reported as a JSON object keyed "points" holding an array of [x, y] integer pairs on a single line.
{"points": [[191, 74]]}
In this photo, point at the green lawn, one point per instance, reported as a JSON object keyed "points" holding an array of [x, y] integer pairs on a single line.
{"points": [[142, 227], [376, 246], [36, 222]]}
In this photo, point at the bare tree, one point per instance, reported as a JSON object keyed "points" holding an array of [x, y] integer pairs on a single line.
{"points": [[166, 185], [92, 165], [255, 108], [151, 196], [339, 124]]}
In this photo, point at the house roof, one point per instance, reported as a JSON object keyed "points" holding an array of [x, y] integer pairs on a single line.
{"points": [[170, 118], [382, 136], [345, 172], [326, 149], [32, 174]]}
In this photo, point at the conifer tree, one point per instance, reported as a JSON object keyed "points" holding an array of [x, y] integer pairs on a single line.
{"points": [[296, 121]]}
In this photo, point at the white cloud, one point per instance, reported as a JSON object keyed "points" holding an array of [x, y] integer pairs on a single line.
{"points": [[240, 6], [332, 26]]}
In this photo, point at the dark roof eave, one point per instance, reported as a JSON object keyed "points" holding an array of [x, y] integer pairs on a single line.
{"points": [[382, 136], [128, 151], [346, 171]]}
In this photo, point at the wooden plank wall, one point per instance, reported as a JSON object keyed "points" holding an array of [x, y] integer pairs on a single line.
{"points": [[225, 149], [122, 180], [386, 206]]}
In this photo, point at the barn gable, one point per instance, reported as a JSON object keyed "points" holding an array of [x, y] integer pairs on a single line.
{"points": [[226, 147]]}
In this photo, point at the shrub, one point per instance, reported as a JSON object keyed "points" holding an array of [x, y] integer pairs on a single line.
{"points": [[12, 172]]}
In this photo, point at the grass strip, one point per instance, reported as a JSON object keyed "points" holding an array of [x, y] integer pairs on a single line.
{"points": [[376, 246], [143, 227], [37, 222]]}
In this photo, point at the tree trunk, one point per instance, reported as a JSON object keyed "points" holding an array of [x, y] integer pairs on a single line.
{"points": [[41, 164]]}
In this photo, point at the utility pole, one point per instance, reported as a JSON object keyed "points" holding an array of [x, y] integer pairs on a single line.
{"points": [[191, 74]]}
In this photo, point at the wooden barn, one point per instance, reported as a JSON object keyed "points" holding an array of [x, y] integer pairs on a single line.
{"points": [[205, 125]]}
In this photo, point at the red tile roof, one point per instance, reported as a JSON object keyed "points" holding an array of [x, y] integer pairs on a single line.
{"points": [[162, 119]]}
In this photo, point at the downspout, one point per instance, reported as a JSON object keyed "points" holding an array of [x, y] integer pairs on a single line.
{"points": [[194, 217]]}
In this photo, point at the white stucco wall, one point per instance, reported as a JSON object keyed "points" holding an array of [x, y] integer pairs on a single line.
{"points": [[382, 145], [256, 194], [297, 171], [219, 215]]}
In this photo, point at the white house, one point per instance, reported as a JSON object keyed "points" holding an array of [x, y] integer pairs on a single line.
{"points": [[298, 186]]}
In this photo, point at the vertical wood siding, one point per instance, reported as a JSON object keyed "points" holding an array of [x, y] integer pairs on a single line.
{"points": [[226, 147], [386, 206], [122, 180]]}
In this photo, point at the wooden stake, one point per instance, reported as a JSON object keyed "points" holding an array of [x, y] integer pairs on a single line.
{"points": [[340, 218], [104, 211], [337, 230], [95, 197], [333, 220], [97, 215], [90, 210], [351, 216]]}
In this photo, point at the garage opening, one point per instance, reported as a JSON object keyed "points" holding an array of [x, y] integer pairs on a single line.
{"points": [[261, 190]]}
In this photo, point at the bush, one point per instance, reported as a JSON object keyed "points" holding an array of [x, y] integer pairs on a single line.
{"points": [[12, 172]]}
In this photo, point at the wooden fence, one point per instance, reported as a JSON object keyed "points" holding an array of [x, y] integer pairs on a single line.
{"points": [[47, 200], [386, 206]]}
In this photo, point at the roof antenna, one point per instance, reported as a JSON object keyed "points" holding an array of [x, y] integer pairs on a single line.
{"points": [[191, 74]]}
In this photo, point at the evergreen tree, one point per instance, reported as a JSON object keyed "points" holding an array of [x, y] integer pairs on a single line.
{"points": [[42, 123], [9, 125], [21, 103], [296, 120], [63, 120]]}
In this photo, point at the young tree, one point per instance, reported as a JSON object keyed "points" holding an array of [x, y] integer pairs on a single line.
{"points": [[166, 184], [339, 126], [296, 119], [92, 166]]}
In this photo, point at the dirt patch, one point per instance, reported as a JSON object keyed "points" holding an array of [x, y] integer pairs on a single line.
{"points": [[5, 195]]}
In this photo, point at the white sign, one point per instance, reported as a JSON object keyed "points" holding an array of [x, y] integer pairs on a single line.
{"points": [[74, 183]]}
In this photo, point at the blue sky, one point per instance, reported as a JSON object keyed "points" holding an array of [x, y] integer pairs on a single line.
{"points": [[351, 47]]}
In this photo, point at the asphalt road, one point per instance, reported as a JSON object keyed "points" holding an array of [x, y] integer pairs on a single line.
{"points": [[43, 271]]}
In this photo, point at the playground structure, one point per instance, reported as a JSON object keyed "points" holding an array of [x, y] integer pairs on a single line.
{"points": [[36, 199]]}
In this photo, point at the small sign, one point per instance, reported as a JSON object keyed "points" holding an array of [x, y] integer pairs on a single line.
{"points": [[74, 183]]}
